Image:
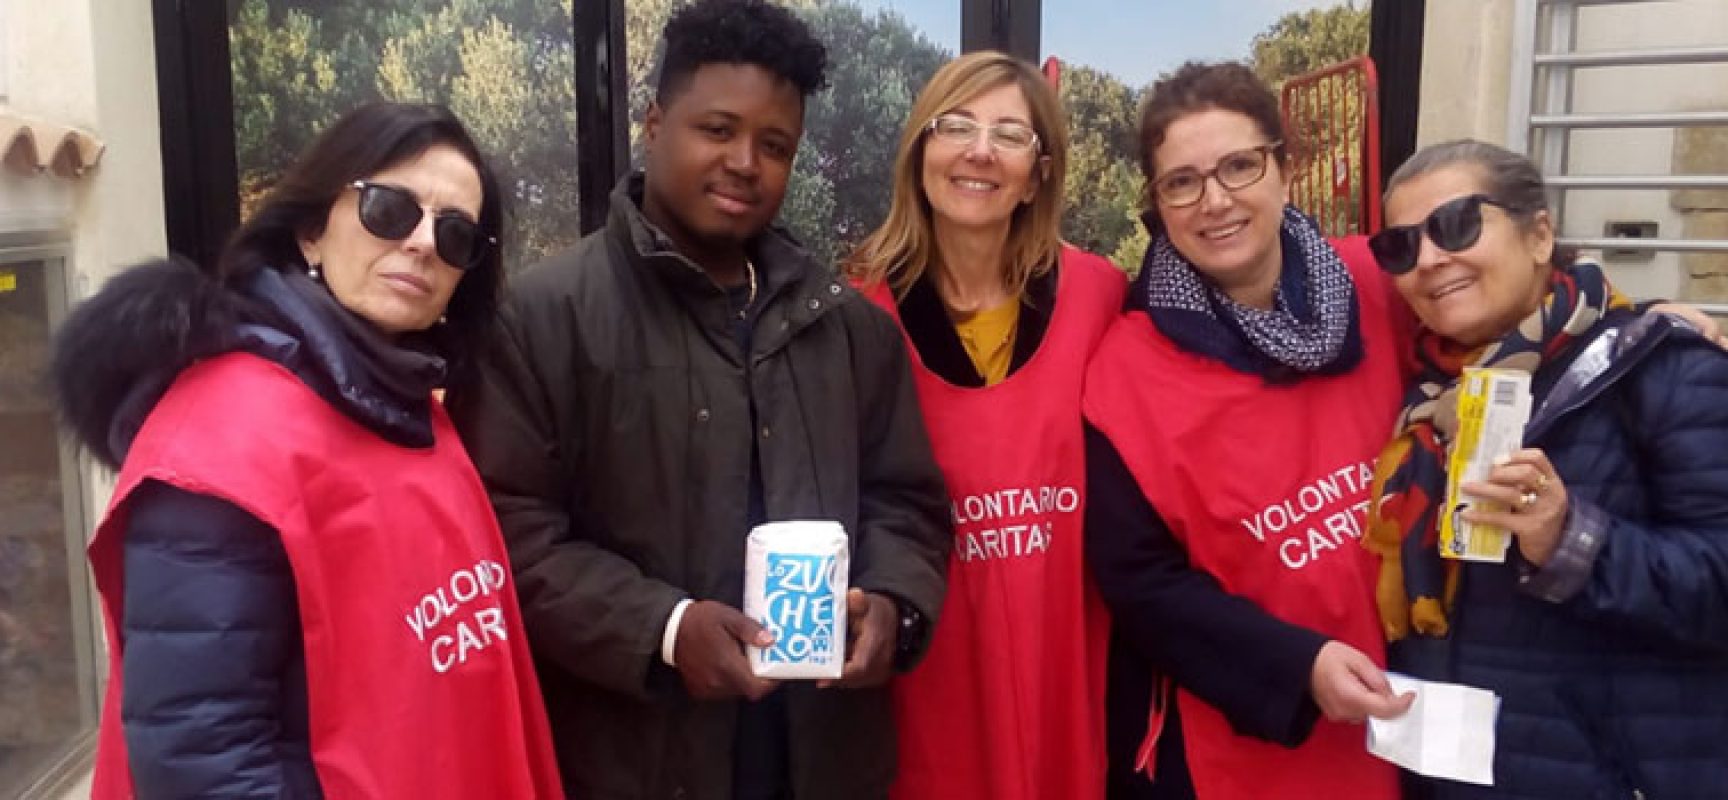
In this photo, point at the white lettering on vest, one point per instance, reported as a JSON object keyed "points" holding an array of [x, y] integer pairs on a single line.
{"points": [[1009, 523], [1308, 523], [440, 607]]}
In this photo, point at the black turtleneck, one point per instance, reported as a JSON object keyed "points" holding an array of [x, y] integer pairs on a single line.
{"points": [[932, 332]]}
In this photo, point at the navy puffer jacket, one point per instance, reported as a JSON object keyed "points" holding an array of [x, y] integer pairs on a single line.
{"points": [[215, 702], [1612, 660]]}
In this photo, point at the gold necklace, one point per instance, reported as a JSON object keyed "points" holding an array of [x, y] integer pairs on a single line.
{"points": [[750, 272]]}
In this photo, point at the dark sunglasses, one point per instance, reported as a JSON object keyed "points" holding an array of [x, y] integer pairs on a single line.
{"points": [[391, 212], [1453, 226]]}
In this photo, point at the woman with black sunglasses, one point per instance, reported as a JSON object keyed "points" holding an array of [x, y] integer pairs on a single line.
{"points": [[1234, 413], [305, 590], [1605, 629]]}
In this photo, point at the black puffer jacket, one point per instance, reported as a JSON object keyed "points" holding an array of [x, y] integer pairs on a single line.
{"points": [[215, 702]]}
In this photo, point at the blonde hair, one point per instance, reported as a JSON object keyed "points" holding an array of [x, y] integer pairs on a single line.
{"points": [[904, 247]]}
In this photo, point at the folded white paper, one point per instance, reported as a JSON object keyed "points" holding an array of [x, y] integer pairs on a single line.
{"points": [[1448, 732], [795, 585]]}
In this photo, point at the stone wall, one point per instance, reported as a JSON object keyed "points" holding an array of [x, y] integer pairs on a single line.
{"points": [[1703, 212]]}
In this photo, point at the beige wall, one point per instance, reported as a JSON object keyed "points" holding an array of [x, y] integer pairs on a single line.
{"points": [[1467, 69], [79, 792], [1466, 50], [91, 64]]}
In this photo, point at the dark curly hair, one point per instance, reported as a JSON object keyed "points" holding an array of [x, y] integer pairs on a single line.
{"points": [[1197, 86], [740, 32]]}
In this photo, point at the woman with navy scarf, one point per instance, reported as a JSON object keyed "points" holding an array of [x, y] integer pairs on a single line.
{"points": [[1234, 411], [1605, 630]]}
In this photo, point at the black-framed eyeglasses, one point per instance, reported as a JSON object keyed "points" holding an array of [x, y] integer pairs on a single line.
{"points": [[392, 212], [1006, 137], [1452, 226], [1238, 169]]}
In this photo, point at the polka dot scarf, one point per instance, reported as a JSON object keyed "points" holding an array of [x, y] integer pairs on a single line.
{"points": [[1311, 328]]}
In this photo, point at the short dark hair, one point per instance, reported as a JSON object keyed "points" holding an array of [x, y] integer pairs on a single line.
{"points": [[362, 143], [1197, 86], [1508, 177], [740, 32]]}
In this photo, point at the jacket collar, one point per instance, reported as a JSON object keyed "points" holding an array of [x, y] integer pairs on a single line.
{"points": [[382, 384], [1621, 343]]}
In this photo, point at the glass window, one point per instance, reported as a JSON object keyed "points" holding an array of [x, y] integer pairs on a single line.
{"points": [[1107, 69], [506, 69], [47, 672], [880, 54], [5, 52]]}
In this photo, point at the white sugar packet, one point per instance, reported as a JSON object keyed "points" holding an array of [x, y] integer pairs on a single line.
{"points": [[1447, 733], [795, 578]]}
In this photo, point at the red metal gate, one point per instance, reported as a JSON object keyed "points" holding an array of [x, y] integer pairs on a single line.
{"points": [[1333, 117]]}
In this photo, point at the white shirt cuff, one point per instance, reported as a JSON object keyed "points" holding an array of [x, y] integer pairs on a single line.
{"points": [[669, 639]]}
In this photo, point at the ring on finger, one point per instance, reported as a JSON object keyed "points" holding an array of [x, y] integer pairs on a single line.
{"points": [[1527, 501], [1541, 482]]}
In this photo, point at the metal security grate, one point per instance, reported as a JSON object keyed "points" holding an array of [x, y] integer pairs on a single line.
{"points": [[1541, 118]]}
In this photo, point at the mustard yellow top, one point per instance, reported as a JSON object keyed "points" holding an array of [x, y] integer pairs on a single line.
{"points": [[988, 337]]}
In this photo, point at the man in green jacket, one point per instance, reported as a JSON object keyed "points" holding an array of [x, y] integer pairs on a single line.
{"points": [[678, 377]]}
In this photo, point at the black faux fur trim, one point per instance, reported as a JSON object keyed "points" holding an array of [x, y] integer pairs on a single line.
{"points": [[143, 327]]}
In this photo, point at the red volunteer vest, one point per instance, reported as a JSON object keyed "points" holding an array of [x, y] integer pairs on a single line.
{"points": [[1009, 702], [1267, 488], [418, 675]]}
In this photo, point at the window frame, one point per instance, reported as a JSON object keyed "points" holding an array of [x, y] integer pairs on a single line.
{"points": [[195, 90], [52, 250]]}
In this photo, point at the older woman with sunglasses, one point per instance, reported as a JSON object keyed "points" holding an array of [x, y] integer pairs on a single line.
{"points": [[305, 590], [1605, 628], [1002, 318]]}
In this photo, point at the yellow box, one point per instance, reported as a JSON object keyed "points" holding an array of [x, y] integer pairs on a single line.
{"points": [[1493, 406]]}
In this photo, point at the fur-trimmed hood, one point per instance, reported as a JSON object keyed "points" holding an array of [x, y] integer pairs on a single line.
{"points": [[120, 350]]}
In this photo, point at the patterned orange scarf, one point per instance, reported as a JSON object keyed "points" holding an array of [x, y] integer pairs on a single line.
{"points": [[1417, 586]]}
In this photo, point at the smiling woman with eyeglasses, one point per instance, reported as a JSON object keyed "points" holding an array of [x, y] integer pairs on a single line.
{"points": [[1604, 631], [304, 583], [1232, 414], [1002, 317]]}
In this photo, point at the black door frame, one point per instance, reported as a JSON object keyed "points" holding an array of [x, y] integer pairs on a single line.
{"points": [[1395, 45], [195, 101], [194, 84]]}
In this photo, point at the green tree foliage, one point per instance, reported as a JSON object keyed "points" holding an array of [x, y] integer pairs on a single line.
{"points": [[1130, 253], [504, 66], [1103, 180], [1305, 41], [285, 89], [877, 66], [643, 21]]}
